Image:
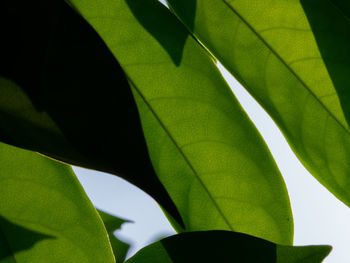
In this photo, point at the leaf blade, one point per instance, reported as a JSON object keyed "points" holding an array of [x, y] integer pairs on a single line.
{"points": [[44, 204], [113, 223], [189, 105], [281, 53]]}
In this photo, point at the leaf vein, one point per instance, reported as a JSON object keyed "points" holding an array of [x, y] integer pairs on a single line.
{"points": [[284, 63]]}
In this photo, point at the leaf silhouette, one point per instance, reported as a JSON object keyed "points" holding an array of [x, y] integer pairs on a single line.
{"points": [[72, 100], [113, 223], [225, 246]]}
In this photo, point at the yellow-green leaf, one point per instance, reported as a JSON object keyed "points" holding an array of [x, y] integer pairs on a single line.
{"points": [[293, 56], [45, 215], [205, 150]]}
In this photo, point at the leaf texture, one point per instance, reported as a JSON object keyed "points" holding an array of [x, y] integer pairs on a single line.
{"points": [[205, 150], [45, 213], [293, 57]]}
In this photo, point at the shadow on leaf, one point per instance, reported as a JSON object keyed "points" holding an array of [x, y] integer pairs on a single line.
{"points": [[157, 27], [330, 24], [186, 9], [15, 238], [74, 102], [113, 223]]}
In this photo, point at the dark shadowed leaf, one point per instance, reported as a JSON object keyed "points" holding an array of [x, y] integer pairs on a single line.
{"points": [[14, 239], [45, 215], [225, 247], [294, 58], [113, 223], [72, 100], [203, 147], [302, 254]]}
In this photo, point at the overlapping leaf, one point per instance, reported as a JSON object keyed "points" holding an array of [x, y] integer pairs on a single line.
{"points": [[203, 147], [294, 58], [72, 100], [113, 223], [45, 215], [224, 246]]}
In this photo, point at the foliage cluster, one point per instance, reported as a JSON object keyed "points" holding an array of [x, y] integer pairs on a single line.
{"points": [[132, 88]]}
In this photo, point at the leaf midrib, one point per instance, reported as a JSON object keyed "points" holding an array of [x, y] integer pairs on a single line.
{"points": [[182, 154], [284, 62]]}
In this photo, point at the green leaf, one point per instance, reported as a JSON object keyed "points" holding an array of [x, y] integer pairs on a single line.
{"points": [[225, 246], [293, 57], [45, 214], [302, 254], [72, 100], [113, 223], [23, 239], [203, 147]]}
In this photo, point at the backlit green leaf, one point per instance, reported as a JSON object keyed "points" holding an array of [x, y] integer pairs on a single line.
{"points": [[293, 56], [113, 223], [203, 147], [45, 215]]}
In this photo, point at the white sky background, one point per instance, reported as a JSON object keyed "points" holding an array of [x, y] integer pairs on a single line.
{"points": [[319, 218]]}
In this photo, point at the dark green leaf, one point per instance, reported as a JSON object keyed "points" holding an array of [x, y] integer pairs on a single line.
{"points": [[203, 147], [45, 214], [224, 246], [304, 254], [72, 100], [294, 58], [112, 223], [14, 239]]}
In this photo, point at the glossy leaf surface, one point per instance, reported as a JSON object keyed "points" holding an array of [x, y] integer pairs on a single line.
{"points": [[225, 246], [45, 214], [72, 100], [294, 58], [113, 223], [203, 147]]}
